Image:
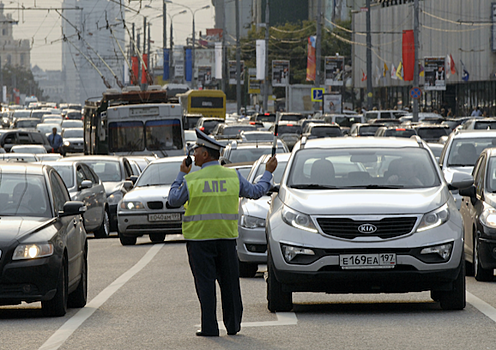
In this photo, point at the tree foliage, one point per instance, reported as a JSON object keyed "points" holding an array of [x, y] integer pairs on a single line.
{"points": [[289, 42], [22, 79]]}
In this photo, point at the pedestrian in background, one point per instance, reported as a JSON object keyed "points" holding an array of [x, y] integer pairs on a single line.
{"points": [[210, 228], [55, 141]]}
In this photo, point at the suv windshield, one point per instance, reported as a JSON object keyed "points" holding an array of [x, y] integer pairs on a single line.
{"points": [[363, 168]]}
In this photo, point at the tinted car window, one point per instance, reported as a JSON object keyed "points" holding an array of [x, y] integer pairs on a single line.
{"points": [[236, 129], [432, 133], [485, 125], [23, 194], [289, 129], [326, 132], [65, 171], [37, 138], [271, 118], [107, 171], [464, 152], [60, 195], [368, 130], [399, 132]]}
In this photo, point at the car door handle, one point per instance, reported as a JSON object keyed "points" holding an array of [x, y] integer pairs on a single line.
{"points": [[74, 221]]}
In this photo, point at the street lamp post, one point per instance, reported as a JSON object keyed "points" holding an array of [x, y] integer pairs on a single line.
{"points": [[171, 67], [194, 37]]}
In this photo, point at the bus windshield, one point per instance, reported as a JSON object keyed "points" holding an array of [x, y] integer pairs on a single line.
{"points": [[126, 136], [163, 135]]}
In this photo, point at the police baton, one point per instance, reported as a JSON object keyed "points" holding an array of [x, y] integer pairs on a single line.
{"points": [[274, 144]]}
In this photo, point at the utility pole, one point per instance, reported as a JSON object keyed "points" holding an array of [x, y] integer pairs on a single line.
{"points": [[164, 34], [369, 59], [266, 81], [238, 61], [148, 58], [416, 66], [225, 66], [139, 61]]}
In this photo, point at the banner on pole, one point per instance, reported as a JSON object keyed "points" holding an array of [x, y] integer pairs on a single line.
{"points": [[280, 72], [334, 70], [260, 52], [254, 84], [232, 73], [218, 61], [331, 103], [311, 58], [408, 55], [435, 77], [165, 75]]}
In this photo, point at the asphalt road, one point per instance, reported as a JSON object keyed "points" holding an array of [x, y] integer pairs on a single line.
{"points": [[143, 297]]}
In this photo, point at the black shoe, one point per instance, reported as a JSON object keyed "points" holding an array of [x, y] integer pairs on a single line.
{"points": [[232, 333], [199, 333]]}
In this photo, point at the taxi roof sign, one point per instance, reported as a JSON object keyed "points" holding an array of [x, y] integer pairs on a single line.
{"points": [[317, 94]]}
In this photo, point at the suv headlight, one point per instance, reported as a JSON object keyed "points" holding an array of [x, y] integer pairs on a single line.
{"points": [[434, 219], [32, 251], [114, 198], [248, 221], [298, 220], [132, 205], [488, 217]]}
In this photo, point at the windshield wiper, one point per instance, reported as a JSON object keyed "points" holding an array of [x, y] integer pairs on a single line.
{"points": [[314, 187], [460, 164], [372, 186], [147, 185]]}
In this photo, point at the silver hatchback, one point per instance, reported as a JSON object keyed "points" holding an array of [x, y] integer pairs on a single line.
{"points": [[365, 215]]}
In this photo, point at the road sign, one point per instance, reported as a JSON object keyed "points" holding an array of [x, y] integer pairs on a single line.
{"points": [[415, 92], [317, 94]]}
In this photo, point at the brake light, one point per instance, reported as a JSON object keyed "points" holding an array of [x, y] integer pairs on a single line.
{"points": [[289, 124], [252, 123], [400, 129], [266, 113], [202, 128]]}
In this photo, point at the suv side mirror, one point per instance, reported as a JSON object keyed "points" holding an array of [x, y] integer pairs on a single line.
{"points": [[128, 185], [86, 184]]}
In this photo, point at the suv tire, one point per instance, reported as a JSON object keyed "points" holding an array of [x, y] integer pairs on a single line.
{"points": [[456, 298], [277, 299], [481, 274]]}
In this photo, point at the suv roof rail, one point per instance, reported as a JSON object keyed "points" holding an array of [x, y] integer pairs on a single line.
{"points": [[418, 139]]}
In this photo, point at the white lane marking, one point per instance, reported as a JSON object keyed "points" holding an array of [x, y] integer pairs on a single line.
{"points": [[65, 331], [482, 306], [283, 319]]}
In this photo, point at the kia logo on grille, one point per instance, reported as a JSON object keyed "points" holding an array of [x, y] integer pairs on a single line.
{"points": [[367, 228]]}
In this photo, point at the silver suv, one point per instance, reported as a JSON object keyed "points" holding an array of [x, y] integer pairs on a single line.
{"points": [[365, 215], [461, 151]]}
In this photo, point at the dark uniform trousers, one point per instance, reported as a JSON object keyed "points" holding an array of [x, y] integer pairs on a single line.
{"points": [[210, 261]]}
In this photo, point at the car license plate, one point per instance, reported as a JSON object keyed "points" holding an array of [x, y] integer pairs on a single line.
{"points": [[367, 261], [164, 217]]}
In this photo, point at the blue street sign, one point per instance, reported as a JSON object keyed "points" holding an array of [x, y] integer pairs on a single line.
{"points": [[317, 94], [415, 92]]}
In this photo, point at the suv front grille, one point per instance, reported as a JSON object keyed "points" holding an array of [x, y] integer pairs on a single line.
{"points": [[386, 228]]}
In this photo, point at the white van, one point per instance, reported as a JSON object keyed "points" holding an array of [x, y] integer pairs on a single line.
{"points": [[384, 114]]}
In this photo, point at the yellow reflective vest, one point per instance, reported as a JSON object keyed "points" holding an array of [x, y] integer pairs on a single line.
{"points": [[212, 210]]}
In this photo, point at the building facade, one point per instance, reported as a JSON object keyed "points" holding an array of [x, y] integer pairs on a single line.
{"points": [[12, 52], [459, 29]]}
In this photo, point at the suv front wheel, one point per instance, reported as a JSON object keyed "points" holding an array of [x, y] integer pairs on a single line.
{"points": [[277, 299], [456, 298]]}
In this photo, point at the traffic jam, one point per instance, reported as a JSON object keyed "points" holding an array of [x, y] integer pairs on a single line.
{"points": [[382, 205]]}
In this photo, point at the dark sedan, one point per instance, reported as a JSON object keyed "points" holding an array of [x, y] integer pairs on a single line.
{"points": [[43, 247], [478, 209], [117, 176], [84, 185]]}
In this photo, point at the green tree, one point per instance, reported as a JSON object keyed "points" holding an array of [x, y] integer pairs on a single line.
{"points": [[289, 42], [22, 79]]}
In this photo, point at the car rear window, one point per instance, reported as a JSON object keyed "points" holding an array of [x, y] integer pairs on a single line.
{"points": [[289, 129], [235, 130], [432, 133], [368, 130], [400, 132], [485, 125], [326, 132]]}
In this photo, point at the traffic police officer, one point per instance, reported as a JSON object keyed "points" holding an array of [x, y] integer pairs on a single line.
{"points": [[210, 229]]}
